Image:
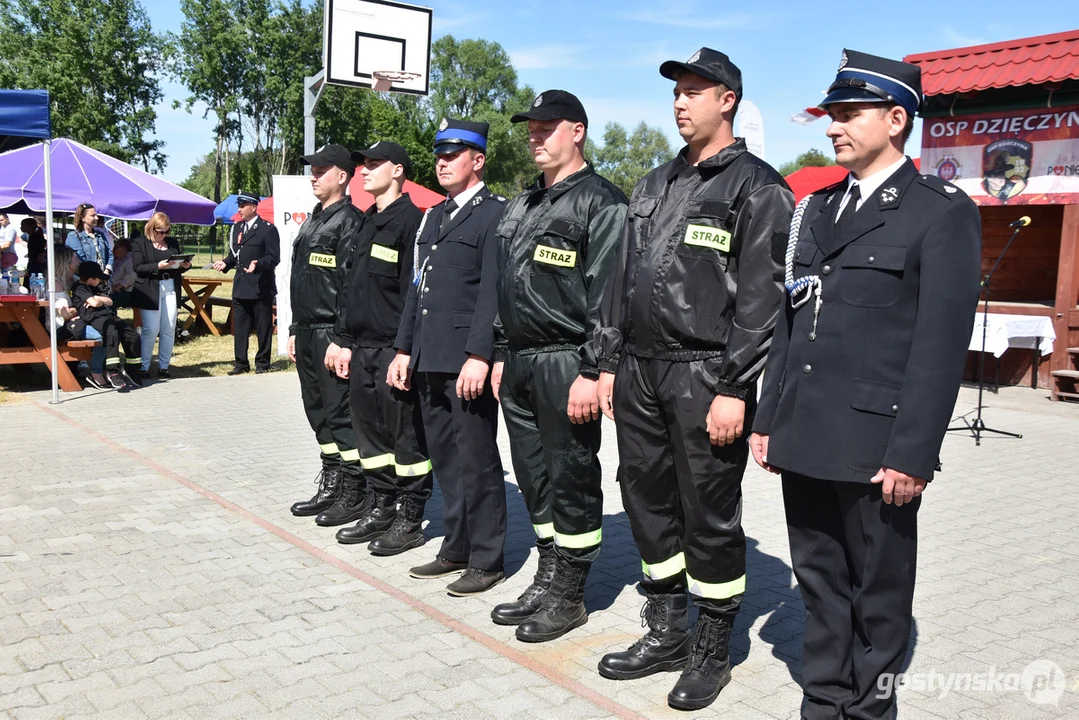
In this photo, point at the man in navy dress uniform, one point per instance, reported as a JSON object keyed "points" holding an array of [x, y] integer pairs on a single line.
{"points": [[882, 282]]}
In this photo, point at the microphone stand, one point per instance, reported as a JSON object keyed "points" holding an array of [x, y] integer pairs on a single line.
{"points": [[978, 427]]}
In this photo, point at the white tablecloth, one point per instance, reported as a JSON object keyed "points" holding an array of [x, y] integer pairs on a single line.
{"points": [[1017, 331]]}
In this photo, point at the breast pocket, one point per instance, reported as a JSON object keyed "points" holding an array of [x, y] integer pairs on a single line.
{"points": [[323, 253], [708, 234], [384, 255], [872, 275], [805, 256], [558, 250], [641, 215], [456, 251]]}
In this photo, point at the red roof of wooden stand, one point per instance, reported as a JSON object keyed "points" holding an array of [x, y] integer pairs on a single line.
{"points": [[1027, 61]]}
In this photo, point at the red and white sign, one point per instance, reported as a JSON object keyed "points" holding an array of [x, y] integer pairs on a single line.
{"points": [[293, 201], [1017, 157]]}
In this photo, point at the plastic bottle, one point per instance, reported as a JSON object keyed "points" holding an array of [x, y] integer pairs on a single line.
{"points": [[41, 293], [4, 284]]}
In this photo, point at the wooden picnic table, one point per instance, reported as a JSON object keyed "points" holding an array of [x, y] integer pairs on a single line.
{"points": [[199, 291], [27, 313]]}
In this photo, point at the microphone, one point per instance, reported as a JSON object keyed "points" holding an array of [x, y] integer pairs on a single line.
{"points": [[1021, 222]]}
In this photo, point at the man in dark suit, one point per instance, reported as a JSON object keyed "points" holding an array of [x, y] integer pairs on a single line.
{"points": [[254, 251], [882, 277], [446, 339]]}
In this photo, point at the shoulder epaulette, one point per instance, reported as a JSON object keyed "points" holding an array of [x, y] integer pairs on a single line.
{"points": [[943, 187]]}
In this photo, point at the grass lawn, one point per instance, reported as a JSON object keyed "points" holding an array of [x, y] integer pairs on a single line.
{"points": [[197, 355]]}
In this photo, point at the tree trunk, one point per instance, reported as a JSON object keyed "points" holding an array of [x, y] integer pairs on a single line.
{"points": [[217, 180]]}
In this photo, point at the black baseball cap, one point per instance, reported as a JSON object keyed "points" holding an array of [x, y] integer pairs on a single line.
{"points": [[332, 154], [709, 64], [385, 150], [89, 270], [554, 105]]}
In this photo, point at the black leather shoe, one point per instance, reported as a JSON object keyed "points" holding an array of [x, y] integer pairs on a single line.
{"points": [[515, 613], [352, 502], [407, 529], [475, 582], [665, 647], [562, 608], [328, 482], [237, 370], [261, 371], [709, 668], [439, 567], [164, 374], [381, 512]]}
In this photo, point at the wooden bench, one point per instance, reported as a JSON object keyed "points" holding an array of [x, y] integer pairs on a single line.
{"points": [[77, 350]]}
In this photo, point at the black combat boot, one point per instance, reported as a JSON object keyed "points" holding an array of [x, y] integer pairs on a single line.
{"points": [[663, 648], [709, 668], [381, 512], [562, 607], [329, 486], [407, 529], [515, 613], [351, 503]]}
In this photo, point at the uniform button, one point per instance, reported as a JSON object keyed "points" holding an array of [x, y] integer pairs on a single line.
{"points": [[826, 269], [807, 368], [871, 259], [895, 408], [425, 311], [430, 267], [427, 289], [434, 247]]}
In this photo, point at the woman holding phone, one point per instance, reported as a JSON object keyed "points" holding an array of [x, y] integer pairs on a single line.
{"points": [[157, 286]]}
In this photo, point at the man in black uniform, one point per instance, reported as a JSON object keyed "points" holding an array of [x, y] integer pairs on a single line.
{"points": [[254, 251], [447, 340], [556, 245], [686, 324], [882, 271], [389, 430], [320, 256]]}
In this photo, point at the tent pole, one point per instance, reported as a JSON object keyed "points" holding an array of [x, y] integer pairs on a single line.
{"points": [[50, 282]]}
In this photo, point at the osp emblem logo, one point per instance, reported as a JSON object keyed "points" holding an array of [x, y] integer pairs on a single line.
{"points": [[296, 217]]}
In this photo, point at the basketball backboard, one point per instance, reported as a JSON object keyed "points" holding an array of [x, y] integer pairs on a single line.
{"points": [[364, 37]]}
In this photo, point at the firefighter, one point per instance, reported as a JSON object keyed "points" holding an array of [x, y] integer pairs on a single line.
{"points": [[387, 422], [686, 323], [556, 245], [319, 259]]}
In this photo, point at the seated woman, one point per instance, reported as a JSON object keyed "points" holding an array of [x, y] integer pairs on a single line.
{"points": [[66, 323]]}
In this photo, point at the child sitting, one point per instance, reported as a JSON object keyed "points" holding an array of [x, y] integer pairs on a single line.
{"points": [[95, 309]]}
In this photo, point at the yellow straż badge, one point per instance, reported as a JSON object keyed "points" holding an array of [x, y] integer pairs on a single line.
{"points": [[553, 256], [321, 260], [381, 252], [709, 237]]}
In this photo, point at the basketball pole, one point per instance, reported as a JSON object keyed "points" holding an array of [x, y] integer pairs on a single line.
{"points": [[313, 86]]}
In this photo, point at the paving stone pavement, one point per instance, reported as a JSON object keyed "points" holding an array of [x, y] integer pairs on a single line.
{"points": [[149, 567]]}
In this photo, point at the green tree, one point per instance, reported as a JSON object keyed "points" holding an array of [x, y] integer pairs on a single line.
{"points": [[627, 157], [99, 60], [810, 158]]}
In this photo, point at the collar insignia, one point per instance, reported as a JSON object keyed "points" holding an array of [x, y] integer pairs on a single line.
{"points": [[888, 195]]}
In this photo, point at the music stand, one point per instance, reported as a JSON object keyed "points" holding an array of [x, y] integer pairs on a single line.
{"points": [[978, 427]]}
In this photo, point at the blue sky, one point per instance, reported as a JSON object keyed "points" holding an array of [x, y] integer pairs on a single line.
{"points": [[607, 53]]}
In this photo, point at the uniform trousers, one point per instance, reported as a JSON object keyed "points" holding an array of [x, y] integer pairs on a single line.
{"points": [[115, 332], [388, 427], [258, 311], [855, 558], [461, 437], [325, 396], [682, 494], [555, 461]]}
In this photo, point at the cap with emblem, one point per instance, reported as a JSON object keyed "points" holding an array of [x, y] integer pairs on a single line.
{"points": [[709, 64], [385, 150], [868, 78], [554, 105], [243, 198], [332, 154], [454, 135]]}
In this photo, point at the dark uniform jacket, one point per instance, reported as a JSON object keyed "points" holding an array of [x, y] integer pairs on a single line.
{"points": [[381, 275], [556, 248], [699, 273], [148, 276], [95, 317], [260, 243], [877, 385], [320, 255], [450, 313]]}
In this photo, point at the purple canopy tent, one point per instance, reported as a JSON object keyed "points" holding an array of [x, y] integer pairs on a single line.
{"points": [[80, 175]]}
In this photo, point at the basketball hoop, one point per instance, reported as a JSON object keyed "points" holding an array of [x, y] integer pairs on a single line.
{"points": [[384, 79]]}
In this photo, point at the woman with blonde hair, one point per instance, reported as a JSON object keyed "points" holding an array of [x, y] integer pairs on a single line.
{"points": [[157, 286], [88, 241]]}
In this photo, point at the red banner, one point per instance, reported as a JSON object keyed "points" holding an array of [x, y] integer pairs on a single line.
{"points": [[1017, 157]]}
